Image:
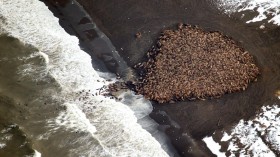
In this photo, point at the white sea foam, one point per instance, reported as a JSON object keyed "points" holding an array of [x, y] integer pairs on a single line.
{"points": [[5, 136], [37, 154], [73, 117], [46, 57], [267, 9], [135, 103], [2, 145], [111, 123]]}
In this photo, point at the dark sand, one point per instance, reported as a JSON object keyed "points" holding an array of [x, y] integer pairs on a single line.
{"points": [[121, 20]]}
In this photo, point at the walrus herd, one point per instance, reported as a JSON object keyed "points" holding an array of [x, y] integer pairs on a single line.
{"points": [[190, 63]]}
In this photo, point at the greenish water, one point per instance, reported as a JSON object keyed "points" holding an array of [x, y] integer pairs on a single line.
{"points": [[28, 101], [13, 141], [28, 110]]}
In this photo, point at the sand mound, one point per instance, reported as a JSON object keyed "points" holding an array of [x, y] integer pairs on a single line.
{"points": [[191, 63]]}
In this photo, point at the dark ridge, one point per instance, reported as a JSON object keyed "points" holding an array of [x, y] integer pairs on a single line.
{"points": [[84, 20]]}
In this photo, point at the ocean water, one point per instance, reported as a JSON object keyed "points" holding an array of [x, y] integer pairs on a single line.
{"points": [[48, 91], [13, 138]]}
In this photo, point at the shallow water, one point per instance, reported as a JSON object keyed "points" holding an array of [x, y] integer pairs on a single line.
{"points": [[12, 111], [13, 141], [23, 93]]}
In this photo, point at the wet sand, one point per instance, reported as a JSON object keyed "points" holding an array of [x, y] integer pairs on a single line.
{"points": [[189, 121]]}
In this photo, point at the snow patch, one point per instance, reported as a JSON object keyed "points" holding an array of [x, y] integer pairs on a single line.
{"points": [[257, 137], [213, 146], [266, 9]]}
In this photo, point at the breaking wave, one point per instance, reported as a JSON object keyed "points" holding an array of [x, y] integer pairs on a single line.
{"points": [[58, 87]]}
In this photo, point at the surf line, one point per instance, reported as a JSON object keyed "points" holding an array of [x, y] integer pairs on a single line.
{"points": [[100, 47]]}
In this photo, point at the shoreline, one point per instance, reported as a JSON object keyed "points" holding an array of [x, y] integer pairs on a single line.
{"points": [[195, 119], [121, 71], [60, 81]]}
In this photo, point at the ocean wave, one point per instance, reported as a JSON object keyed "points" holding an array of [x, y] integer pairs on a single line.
{"points": [[111, 125]]}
